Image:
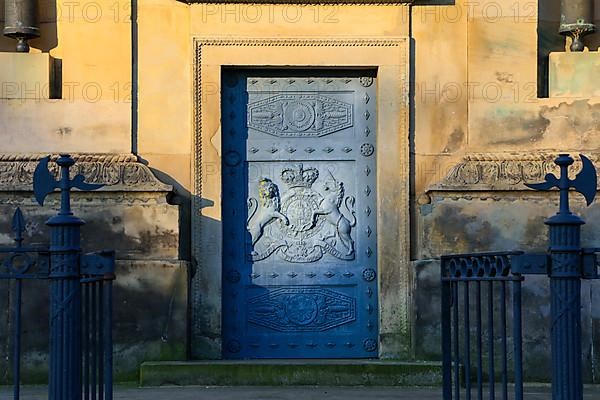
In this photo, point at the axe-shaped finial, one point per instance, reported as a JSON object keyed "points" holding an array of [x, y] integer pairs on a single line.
{"points": [[585, 182], [44, 182]]}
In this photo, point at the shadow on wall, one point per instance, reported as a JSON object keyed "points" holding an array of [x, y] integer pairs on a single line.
{"points": [[182, 198], [48, 17]]}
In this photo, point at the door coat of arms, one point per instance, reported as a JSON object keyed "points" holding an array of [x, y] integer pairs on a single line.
{"points": [[303, 224]]}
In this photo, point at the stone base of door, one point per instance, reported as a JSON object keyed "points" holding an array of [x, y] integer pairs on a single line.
{"points": [[291, 372]]}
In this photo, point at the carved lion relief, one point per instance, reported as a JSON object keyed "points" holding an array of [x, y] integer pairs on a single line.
{"points": [[303, 224]]}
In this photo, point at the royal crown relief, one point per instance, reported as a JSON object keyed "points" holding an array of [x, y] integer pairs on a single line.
{"points": [[303, 224]]}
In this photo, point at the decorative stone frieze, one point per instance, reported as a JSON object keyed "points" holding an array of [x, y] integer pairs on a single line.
{"points": [[499, 171], [118, 172], [307, 2]]}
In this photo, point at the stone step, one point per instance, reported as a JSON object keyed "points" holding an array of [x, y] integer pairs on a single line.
{"points": [[291, 372]]}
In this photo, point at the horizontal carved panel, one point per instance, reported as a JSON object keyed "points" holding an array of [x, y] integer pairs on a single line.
{"points": [[301, 309], [299, 115], [118, 172], [500, 171]]}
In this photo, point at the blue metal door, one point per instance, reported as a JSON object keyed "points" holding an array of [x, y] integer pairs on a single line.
{"points": [[299, 215]]}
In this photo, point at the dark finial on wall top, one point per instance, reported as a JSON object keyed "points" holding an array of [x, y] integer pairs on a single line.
{"points": [[21, 22], [576, 21]]}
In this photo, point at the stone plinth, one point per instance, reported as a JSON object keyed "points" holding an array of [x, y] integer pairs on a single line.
{"points": [[291, 372], [30, 76], [574, 74]]}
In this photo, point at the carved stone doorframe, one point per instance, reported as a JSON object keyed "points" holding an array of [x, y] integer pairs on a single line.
{"points": [[390, 57]]}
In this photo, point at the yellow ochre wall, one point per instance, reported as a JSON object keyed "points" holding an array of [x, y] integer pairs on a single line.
{"points": [[166, 120], [92, 39], [474, 66]]}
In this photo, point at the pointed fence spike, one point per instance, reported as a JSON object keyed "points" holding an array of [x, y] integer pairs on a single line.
{"points": [[18, 225]]}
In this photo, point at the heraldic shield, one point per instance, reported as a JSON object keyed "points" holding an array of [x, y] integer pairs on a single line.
{"points": [[299, 214]]}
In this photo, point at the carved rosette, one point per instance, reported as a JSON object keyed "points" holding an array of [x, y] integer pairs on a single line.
{"points": [[498, 171], [118, 172], [370, 345]]}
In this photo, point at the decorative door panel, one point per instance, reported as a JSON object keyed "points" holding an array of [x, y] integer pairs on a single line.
{"points": [[299, 215]]}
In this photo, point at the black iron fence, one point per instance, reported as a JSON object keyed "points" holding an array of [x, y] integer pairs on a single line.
{"points": [[80, 300], [481, 303], [475, 304], [96, 313], [19, 265]]}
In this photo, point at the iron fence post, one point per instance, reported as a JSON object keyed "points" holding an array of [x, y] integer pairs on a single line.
{"points": [[65, 275], [566, 272], [565, 292], [65, 300], [565, 263]]}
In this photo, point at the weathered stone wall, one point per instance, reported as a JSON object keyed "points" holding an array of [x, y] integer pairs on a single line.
{"points": [[130, 215], [482, 206], [477, 94], [484, 125]]}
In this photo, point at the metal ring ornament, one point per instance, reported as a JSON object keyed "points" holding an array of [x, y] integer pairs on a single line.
{"points": [[478, 266], [9, 263], [489, 267], [452, 269], [466, 267]]}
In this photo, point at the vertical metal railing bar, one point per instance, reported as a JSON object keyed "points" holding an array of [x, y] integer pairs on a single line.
{"points": [[446, 336], [74, 347], [17, 341], [97, 308], [100, 340], [63, 379], [108, 355], [94, 330], [504, 340], [518, 340], [86, 341], [467, 333], [54, 361], [456, 341], [53, 377], [68, 345], [78, 348], [491, 368], [479, 343], [64, 342]]}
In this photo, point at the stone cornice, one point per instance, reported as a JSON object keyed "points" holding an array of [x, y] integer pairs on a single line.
{"points": [[304, 2], [501, 171], [302, 41], [118, 172]]}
